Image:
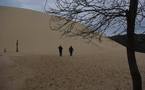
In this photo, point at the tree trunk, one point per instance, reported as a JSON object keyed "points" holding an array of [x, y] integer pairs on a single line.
{"points": [[135, 74], [131, 17]]}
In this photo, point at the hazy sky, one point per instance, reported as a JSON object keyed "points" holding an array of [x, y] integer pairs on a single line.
{"points": [[29, 4]]}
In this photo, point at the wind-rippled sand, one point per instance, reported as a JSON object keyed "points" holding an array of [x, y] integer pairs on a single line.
{"points": [[41, 72]]}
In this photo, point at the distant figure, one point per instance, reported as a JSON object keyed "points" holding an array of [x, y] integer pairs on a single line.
{"points": [[71, 50], [60, 50], [17, 44], [5, 50]]}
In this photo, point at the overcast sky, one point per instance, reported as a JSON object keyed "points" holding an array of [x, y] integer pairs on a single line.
{"points": [[29, 4]]}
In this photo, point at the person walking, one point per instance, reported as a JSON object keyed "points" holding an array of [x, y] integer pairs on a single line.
{"points": [[17, 46], [71, 50], [60, 48]]}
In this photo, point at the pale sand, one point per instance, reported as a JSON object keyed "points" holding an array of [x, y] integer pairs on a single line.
{"points": [[102, 66], [105, 71]]}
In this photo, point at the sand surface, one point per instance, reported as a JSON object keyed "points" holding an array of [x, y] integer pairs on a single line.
{"points": [[42, 72], [95, 66]]}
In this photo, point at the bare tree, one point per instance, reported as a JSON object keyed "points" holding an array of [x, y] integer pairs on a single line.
{"points": [[100, 16]]}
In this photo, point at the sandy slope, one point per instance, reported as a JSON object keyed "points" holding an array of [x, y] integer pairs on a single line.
{"points": [[102, 66], [32, 29], [107, 70]]}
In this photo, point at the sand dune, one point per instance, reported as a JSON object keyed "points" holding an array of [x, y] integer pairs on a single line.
{"points": [[41, 72], [32, 29], [37, 66]]}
